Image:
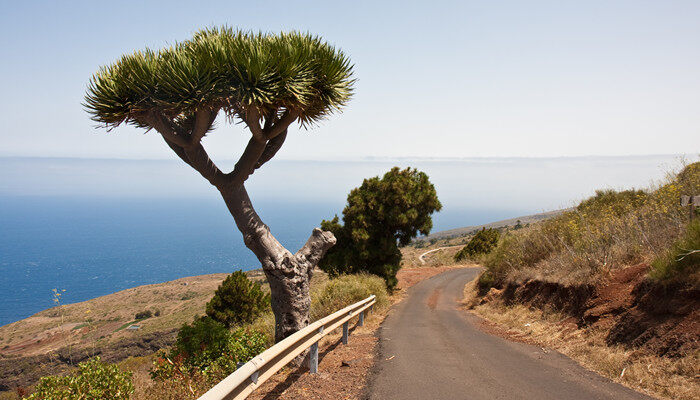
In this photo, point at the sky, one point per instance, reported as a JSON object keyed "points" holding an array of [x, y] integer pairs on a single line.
{"points": [[435, 79]]}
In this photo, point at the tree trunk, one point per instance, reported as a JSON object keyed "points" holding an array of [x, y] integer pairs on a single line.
{"points": [[288, 274]]}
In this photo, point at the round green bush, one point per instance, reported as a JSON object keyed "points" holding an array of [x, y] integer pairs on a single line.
{"points": [[237, 300]]}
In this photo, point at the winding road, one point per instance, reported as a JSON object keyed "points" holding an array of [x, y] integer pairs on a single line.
{"points": [[430, 349], [420, 257]]}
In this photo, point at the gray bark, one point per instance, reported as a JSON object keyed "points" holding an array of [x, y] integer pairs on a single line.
{"points": [[288, 274]]}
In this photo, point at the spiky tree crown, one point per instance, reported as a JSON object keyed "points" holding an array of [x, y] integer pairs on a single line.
{"points": [[224, 69]]}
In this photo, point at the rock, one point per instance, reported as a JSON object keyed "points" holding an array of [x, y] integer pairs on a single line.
{"points": [[348, 363]]}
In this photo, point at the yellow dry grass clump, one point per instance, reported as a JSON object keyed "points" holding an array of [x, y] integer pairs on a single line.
{"points": [[609, 230]]}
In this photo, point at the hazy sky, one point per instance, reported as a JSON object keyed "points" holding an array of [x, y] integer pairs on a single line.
{"points": [[436, 79]]}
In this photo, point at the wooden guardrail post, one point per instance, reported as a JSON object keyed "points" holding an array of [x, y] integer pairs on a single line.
{"points": [[362, 319]]}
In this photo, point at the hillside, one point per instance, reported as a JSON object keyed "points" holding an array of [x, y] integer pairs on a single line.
{"points": [[51, 340], [467, 230], [613, 283]]}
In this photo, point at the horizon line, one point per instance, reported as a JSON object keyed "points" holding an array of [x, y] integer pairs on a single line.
{"points": [[376, 158]]}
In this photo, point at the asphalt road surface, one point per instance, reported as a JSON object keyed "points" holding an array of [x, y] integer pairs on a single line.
{"points": [[429, 349]]}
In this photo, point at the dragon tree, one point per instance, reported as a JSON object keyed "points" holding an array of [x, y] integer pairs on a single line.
{"points": [[267, 82]]}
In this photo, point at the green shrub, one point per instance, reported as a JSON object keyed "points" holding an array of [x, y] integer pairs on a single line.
{"points": [[200, 343], [380, 215], [238, 300], [143, 315], [344, 290], [682, 259], [238, 347], [243, 345], [482, 243], [93, 380]]}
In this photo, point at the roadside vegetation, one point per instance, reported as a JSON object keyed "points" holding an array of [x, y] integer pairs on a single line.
{"points": [[610, 230], [481, 244], [613, 283], [206, 350]]}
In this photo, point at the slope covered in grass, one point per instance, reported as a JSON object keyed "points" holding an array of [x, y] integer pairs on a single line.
{"points": [[608, 231]]}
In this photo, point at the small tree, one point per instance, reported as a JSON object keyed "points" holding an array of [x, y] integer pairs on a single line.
{"points": [[237, 300], [482, 243], [265, 81], [380, 215]]}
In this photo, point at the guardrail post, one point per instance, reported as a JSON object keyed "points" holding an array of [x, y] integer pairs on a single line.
{"points": [[362, 319], [313, 358], [346, 333]]}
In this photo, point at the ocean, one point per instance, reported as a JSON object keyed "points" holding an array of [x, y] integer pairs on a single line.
{"points": [[93, 227]]}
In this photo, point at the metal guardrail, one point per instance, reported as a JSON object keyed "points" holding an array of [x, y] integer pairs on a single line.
{"points": [[252, 374]]}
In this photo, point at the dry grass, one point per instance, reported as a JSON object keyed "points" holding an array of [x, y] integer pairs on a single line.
{"points": [[97, 321], [328, 296], [663, 377], [605, 232]]}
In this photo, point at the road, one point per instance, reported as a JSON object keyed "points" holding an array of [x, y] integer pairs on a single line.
{"points": [[420, 257], [429, 349]]}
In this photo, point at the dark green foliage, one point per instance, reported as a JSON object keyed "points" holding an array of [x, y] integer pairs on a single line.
{"points": [[682, 259], [228, 69], [379, 215], [485, 282], [238, 300], [201, 343], [482, 243], [93, 380], [143, 315], [219, 356], [242, 346]]}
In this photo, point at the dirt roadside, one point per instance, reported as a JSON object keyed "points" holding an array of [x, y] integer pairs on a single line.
{"points": [[625, 328]]}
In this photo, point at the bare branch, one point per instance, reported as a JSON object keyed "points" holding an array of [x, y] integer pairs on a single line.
{"points": [[167, 128], [281, 125], [179, 151], [202, 123], [271, 148], [200, 161], [316, 247], [252, 119], [246, 164]]}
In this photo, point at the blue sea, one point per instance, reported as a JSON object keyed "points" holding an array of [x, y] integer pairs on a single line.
{"points": [[93, 227]]}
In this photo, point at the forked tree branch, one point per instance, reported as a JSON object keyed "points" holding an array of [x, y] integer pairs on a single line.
{"points": [[271, 148], [246, 163], [170, 131], [202, 123], [270, 130], [316, 247], [264, 144]]}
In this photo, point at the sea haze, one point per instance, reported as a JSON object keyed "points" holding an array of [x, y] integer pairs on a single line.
{"points": [[93, 227]]}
